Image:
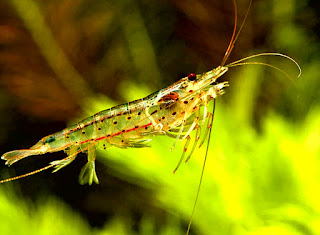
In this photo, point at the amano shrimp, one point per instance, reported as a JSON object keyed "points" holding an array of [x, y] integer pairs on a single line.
{"points": [[173, 111], [131, 124]]}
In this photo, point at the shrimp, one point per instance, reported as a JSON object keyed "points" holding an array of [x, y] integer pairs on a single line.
{"points": [[173, 111], [131, 124]]}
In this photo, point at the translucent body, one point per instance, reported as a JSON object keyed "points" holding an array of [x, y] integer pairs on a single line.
{"points": [[131, 124]]}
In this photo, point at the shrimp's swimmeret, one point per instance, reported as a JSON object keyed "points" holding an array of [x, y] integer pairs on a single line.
{"points": [[173, 111]]}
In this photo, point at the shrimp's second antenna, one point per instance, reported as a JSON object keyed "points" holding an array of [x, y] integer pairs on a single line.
{"points": [[233, 64], [173, 111]]}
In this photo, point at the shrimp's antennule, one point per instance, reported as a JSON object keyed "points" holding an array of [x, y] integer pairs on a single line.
{"points": [[234, 34]]}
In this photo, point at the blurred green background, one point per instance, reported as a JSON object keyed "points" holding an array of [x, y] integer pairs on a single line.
{"points": [[61, 61]]}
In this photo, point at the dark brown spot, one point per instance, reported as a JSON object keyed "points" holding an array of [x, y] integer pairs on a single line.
{"points": [[128, 118], [83, 132], [123, 131], [163, 117], [122, 141], [118, 114], [108, 135], [154, 112], [186, 102], [146, 128], [191, 91], [174, 113], [177, 99], [99, 128], [139, 113], [115, 122], [67, 136], [136, 127], [102, 120], [169, 97], [110, 116]]}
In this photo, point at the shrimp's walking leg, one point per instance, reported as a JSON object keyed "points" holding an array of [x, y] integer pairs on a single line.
{"points": [[209, 125], [205, 109], [195, 122], [195, 141], [180, 132], [88, 173], [183, 153], [72, 154], [187, 136]]}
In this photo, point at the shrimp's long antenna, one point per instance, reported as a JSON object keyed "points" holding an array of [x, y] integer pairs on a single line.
{"points": [[269, 65], [239, 62], [242, 62], [226, 56], [202, 171], [26, 175], [234, 35]]}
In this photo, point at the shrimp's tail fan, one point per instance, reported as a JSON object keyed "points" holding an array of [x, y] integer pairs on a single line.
{"points": [[16, 155]]}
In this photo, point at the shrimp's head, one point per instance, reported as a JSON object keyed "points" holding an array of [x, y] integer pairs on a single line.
{"points": [[204, 81], [194, 84]]}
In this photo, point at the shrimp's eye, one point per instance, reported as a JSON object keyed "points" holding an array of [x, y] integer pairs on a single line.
{"points": [[192, 77]]}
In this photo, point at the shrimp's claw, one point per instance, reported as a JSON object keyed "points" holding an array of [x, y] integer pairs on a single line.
{"points": [[16, 155], [88, 174]]}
